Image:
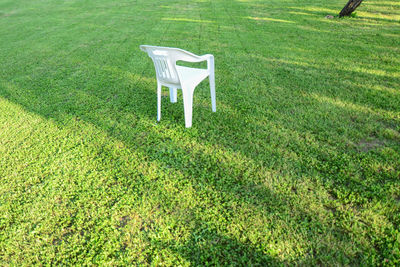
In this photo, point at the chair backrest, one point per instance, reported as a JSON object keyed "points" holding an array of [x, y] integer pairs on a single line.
{"points": [[164, 59]]}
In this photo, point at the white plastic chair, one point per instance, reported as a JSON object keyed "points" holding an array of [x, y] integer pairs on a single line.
{"points": [[179, 77]]}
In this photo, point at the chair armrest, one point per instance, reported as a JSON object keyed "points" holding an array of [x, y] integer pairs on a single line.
{"points": [[183, 55], [177, 54], [189, 57]]}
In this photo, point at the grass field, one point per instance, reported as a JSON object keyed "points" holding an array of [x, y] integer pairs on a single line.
{"points": [[300, 164]]}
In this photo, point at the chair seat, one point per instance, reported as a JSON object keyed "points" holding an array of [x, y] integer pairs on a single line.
{"points": [[191, 75]]}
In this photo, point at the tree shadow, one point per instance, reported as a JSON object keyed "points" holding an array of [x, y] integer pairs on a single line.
{"points": [[228, 178], [268, 145]]}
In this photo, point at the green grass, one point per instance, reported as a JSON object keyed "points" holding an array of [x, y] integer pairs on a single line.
{"points": [[300, 164]]}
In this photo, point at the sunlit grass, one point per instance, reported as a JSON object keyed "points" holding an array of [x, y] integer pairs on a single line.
{"points": [[270, 19], [188, 20], [358, 108], [300, 165]]}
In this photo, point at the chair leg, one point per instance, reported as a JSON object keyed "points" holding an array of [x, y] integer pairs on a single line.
{"points": [[173, 94], [158, 102], [212, 90], [188, 105]]}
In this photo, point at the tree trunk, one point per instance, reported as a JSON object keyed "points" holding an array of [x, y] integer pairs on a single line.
{"points": [[349, 7]]}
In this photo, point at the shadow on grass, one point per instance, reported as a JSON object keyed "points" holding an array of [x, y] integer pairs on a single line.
{"points": [[258, 151], [231, 173]]}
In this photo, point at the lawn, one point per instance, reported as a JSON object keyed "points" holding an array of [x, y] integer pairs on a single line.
{"points": [[299, 165]]}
